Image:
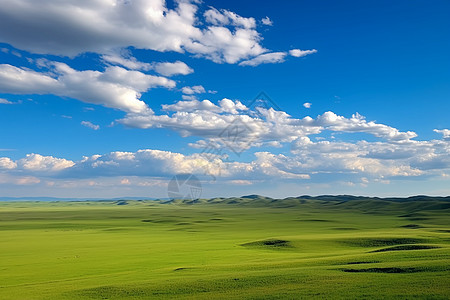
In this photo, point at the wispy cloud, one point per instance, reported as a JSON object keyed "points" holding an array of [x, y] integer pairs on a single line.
{"points": [[4, 101], [90, 125]]}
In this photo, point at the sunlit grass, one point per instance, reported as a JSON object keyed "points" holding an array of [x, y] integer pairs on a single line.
{"points": [[101, 250]]}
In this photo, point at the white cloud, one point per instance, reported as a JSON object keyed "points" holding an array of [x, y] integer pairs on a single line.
{"points": [[190, 90], [7, 163], [125, 181], [128, 62], [340, 158], [226, 17], [348, 163], [4, 101], [301, 53], [116, 87], [220, 44], [27, 180], [118, 24], [175, 68], [37, 162], [445, 133], [163, 68], [189, 97], [90, 125], [338, 161], [191, 105], [274, 57], [15, 80], [215, 17], [155, 163], [69, 28], [207, 120], [307, 105], [267, 21], [241, 182]]}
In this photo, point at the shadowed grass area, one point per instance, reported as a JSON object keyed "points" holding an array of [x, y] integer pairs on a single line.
{"points": [[407, 247], [384, 270], [253, 248], [412, 226], [376, 242], [269, 244]]}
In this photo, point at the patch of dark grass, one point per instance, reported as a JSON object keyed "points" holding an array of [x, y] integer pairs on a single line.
{"points": [[271, 243], [180, 269], [411, 215], [412, 226], [116, 229], [313, 220], [378, 242], [406, 247], [362, 262], [418, 219], [345, 228], [383, 270]]}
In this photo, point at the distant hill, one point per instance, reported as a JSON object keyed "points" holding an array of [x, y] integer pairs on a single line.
{"points": [[360, 203], [47, 199]]}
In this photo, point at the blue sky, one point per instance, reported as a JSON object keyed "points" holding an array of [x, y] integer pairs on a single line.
{"points": [[115, 98]]}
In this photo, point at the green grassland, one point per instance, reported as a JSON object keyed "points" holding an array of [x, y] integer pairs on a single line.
{"points": [[236, 248]]}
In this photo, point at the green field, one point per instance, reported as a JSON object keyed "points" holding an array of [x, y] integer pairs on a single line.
{"points": [[252, 248]]}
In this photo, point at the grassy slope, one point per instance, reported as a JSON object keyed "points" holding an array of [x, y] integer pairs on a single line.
{"points": [[253, 248]]}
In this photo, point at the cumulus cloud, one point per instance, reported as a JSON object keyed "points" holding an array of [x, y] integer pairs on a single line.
{"points": [[395, 155], [342, 157], [90, 125], [15, 80], [116, 87], [220, 44], [151, 163], [226, 17], [64, 30], [267, 58], [37, 162], [445, 133], [207, 120], [7, 163], [362, 162], [70, 28], [301, 53], [307, 105]]}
